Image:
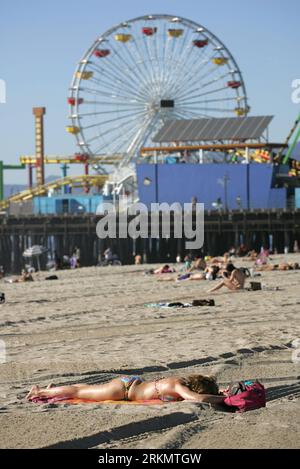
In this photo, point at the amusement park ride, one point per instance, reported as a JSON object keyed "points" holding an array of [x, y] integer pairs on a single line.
{"points": [[135, 78]]}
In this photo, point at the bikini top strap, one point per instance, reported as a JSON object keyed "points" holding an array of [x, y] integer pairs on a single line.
{"points": [[159, 394]]}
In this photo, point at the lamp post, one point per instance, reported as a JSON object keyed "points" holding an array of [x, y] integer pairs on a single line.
{"points": [[226, 179], [239, 202]]}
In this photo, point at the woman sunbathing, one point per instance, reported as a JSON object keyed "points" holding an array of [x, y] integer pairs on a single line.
{"points": [[24, 277], [282, 266], [210, 273], [133, 388], [165, 269]]}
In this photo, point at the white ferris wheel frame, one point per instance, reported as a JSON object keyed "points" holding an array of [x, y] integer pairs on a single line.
{"points": [[135, 124]]}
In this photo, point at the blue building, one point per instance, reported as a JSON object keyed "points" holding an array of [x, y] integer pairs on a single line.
{"points": [[68, 203], [229, 186]]}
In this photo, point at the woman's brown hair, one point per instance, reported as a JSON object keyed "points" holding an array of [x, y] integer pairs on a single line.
{"points": [[201, 384]]}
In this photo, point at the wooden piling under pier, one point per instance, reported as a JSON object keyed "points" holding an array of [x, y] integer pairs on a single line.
{"points": [[221, 231]]}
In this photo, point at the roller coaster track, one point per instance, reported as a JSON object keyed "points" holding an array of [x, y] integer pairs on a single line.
{"points": [[80, 159], [85, 181]]}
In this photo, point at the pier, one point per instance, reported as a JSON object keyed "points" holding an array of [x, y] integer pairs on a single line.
{"points": [[63, 232]]}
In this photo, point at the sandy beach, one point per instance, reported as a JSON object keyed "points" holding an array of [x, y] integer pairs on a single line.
{"points": [[92, 324]]}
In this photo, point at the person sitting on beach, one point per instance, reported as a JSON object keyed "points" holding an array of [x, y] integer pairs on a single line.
{"points": [[198, 264], [242, 251], [233, 278], [187, 262], [221, 262], [251, 256], [197, 388], [262, 257]]}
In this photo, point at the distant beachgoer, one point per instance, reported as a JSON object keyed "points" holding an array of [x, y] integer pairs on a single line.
{"points": [[73, 262], [108, 254], [66, 262], [76, 254], [221, 261], [267, 267], [166, 269], [197, 388], [2, 273], [138, 259], [242, 250], [251, 256], [210, 273], [57, 261], [262, 257], [187, 262], [232, 251], [25, 277], [198, 264], [296, 247], [283, 266], [233, 278]]}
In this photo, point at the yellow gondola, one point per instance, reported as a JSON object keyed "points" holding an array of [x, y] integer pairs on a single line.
{"points": [[219, 60], [73, 129], [123, 37], [84, 75], [175, 32], [240, 111]]}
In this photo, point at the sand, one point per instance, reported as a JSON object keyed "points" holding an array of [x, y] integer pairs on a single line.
{"points": [[92, 325]]}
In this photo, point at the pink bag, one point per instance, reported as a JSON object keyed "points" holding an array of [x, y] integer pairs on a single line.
{"points": [[245, 395]]}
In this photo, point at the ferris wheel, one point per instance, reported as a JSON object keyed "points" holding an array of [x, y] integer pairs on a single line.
{"points": [[145, 71]]}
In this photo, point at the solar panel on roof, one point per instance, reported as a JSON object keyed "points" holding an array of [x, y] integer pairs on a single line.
{"points": [[197, 130]]}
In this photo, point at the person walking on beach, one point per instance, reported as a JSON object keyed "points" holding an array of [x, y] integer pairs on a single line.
{"points": [[233, 278], [197, 388]]}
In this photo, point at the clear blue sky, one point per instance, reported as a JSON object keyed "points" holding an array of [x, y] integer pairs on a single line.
{"points": [[41, 43]]}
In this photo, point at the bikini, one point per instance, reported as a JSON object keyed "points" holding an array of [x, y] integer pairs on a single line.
{"points": [[128, 382]]}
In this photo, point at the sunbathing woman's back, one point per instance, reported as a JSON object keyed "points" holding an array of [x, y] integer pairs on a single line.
{"points": [[163, 389]]}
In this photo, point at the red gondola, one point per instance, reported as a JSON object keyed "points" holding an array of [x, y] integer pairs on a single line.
{"points": [[200, 42], [73, 101], [234, 84], [101, 52], [149, 31], [81, 157]]}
